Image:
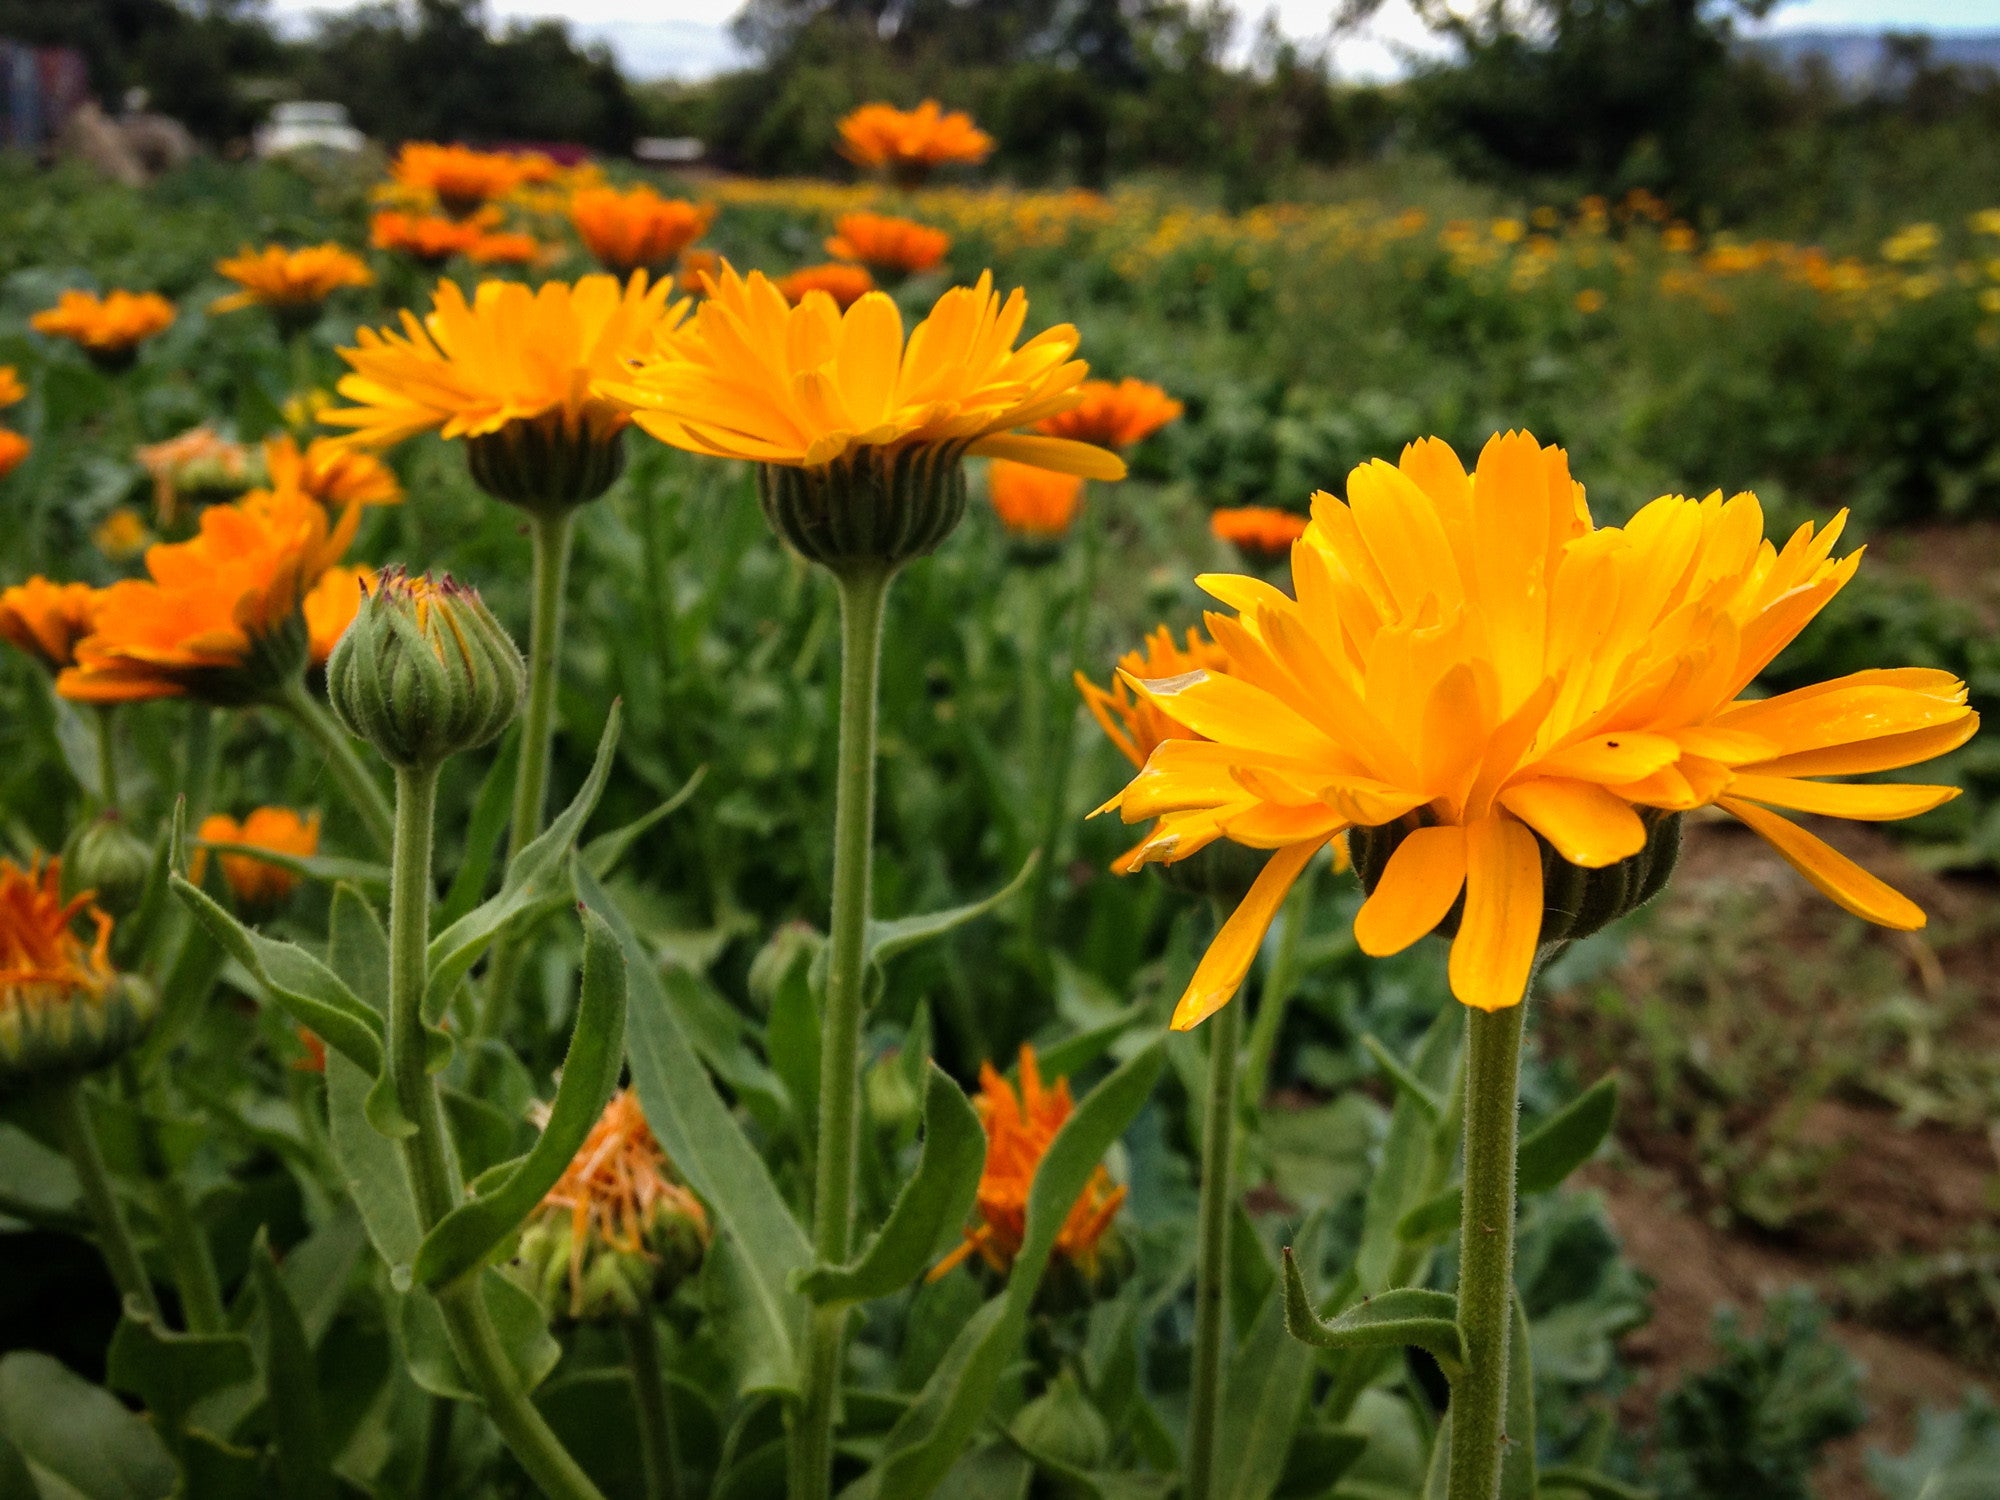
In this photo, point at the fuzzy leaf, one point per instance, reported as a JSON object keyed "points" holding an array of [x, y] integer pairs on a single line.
{"points": [[1406, 1316]]}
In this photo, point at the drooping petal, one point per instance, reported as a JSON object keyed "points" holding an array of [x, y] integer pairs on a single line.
{"points": [[1866, 801], [1220, 972], [1837, 877], [1418, 885], [1588, 825], [1494, 952]]}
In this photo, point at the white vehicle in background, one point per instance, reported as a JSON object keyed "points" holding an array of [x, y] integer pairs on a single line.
{"points": [[307, 125]]}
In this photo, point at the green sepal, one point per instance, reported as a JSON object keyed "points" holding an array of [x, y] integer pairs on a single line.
{"points": [[1407, 1316]]}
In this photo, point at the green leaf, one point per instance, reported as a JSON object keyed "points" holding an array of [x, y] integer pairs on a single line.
{"points": [[291, 1384], [933, 1204], [1517, 1454], [900, 934], [37, 1183], [465, 1236], [958, 1398], [533, 878], [169, 1372], [1405, 1316], [1569, 1479], [75, 1440], [1075, 1053], [1415, 1160], [1546, 1155], [703, 1139], [366, 874], [1270, 1375], [603, 853], [1408, 1085], [483, 832], [517, 1321]]}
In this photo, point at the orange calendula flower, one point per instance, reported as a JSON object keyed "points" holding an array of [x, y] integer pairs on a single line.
{"points": [[426, 237], [908, 143], [887, 244], [11, 389], [219, 616], [751, 376], [200, 465], [46, 619], [1495, 694], [1034, 504], [332, 472], [460, 178], [110, 328], [506, 249], [1262, 533], [1114, 414], [1019, 1128], [289, 280], [845, 284], [63, 1008], [697, 266], [13, 449], [257, 883], [330, 608], [638, 229], [122, 535]]}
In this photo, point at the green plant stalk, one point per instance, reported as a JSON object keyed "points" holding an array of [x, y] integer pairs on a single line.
{"points": [[1276, 995], [434, 1180], [363, 791], [862, 592], [107, 756], [181, 1237], [200, 763], [1211, 1267], [649, 1399], [1486, 1252], [1063, 752], [121, 1254]]}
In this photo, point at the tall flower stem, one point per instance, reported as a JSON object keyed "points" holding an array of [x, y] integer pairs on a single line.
{"points": [[114, 1234], [1211, 1267], [201, 758], [649, 1398], [433, 1177], [862, 592], [363, 791], [1062, 753], [1486, 1252], [107, 756]]}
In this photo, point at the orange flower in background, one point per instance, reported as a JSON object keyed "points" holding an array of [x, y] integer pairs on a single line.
{"points": [[42, 960], [636, 229], [332, 472], [200, 464], [908, 143], [13, 449], [1114, 415], [46, 619], [122, 535], [425, 237], [1262, 533], [846, 284], [696, 266], [506, 249], [109, 328], [257, 883], [289, 279], [1036, 505], [885, 243], [1019, 1128], [330, 608], [460, 178], [219, 616], [11, 389]]}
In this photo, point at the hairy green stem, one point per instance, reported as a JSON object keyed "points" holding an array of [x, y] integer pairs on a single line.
{"points": [[862, 593], [357, 782], [1486, 1252], [114, 1235], [1279, 982], [434, 1179], [649, 1399], [1211, 1267]]}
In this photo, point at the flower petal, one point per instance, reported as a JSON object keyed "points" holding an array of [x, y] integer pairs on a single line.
{"points": [[1868, 801], [1588, 825], [1837, 877], [1220, 973], [1418, 885], [1494, 952]]}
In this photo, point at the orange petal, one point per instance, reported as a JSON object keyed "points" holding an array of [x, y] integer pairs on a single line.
{"points": [[1889, 752], [1418, 885], [1838, 878], [1220, 973], [1588, 825], [1494, 952], [1612, 758], [1867, 801]]}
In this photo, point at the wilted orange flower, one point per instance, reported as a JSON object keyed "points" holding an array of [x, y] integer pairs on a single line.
{"points": [[330, 607], [46, 619], [211, 619], [462, 179], [1114, 415], [425, 237], [1035, 504], [885, 243], [11, 389], [1019, 1128], [201, 464], [42, 960], [255, 882], [908, 143], [122, 534], [330, 471], [13, 449], [289, 279], [638, 229], [846, 284], [110, 328], [1261, 532], [508, 249]]}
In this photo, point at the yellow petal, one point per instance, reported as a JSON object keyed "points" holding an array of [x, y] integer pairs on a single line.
{"points": [[1612, 758], [1889, 752], [1220, 973], [1587, 825], [1494, 952], [1419, 884], [1837, 877], [1064, 455], [1867, 801]]}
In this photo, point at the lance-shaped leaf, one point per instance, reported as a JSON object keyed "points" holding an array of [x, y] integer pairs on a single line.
{"points": [[932, 1204], [604, 852], [1517, 1459], [1407, 1316], [1408, 1085], [465, 1236], [168, 1371], [72, 1439], [366, 874], [533, 879], [1547, 1154], [518, 1323], [887, 939], [483, 832], [291, 1383], [929, 1437]]}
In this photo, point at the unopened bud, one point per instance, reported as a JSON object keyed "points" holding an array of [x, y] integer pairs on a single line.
{"points": [[105, 860]]}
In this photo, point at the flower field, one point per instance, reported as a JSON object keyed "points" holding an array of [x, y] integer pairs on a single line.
{"points": [[652, 849]]}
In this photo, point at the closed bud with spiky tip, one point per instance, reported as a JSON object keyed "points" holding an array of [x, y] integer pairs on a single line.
{"points": [[425, 671], [105, 861]]}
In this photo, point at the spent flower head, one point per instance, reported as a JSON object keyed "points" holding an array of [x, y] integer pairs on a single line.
{"points": [[63, 1008]]}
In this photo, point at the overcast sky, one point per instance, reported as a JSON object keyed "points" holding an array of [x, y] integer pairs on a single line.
{"points": [[687, 37]]}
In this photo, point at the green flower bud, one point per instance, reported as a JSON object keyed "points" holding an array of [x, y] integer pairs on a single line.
{"points": [[104, 858], [608, 1281], [425, 671], [869, 509], [549, 463]]}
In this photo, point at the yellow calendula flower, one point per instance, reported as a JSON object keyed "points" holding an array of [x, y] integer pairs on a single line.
{"points": [[11, 389], [908, 143], [122, 535], [330, 607], [844, 283], [462, 179], [1115, 414], [1035, 505], [109, 328], [636, 229], [1498, 696], [332, 472], [289, 280]]}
